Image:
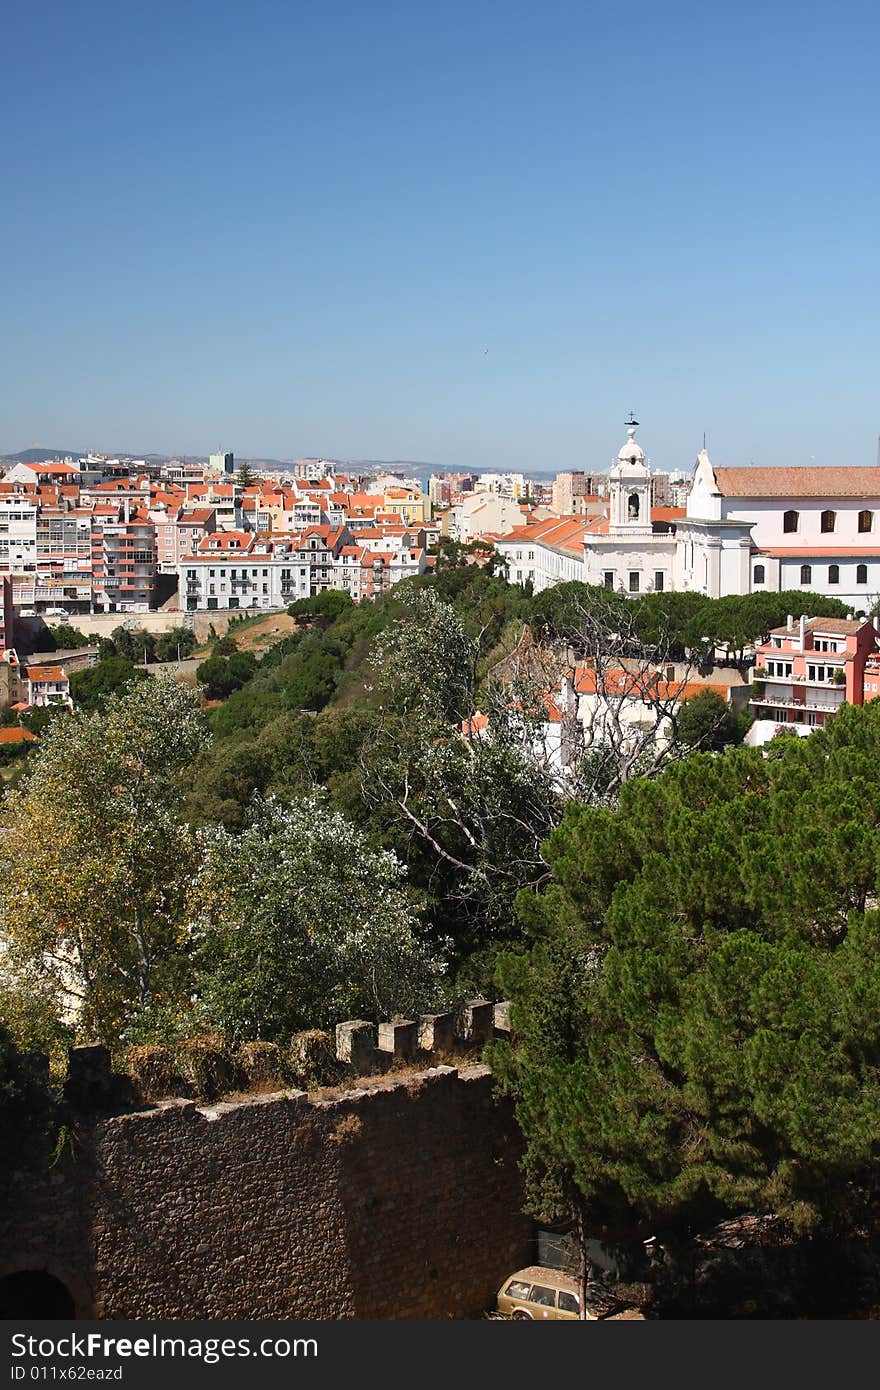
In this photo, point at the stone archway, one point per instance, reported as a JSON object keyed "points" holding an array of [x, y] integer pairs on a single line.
{"points": [[32, 1294]]}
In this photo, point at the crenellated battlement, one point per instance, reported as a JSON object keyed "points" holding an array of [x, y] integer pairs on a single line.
{"points": [[393, 1192], [206, 1068]]}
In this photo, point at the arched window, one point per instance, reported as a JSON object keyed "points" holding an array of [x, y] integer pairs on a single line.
{"points": [[834, 574], [866, 521], [828, 520], [806, 574], [790, 521], [861, 574], [759, 574], [632, 506]]}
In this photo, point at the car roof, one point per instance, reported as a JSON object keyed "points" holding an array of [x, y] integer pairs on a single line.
{"points": [[540, 1274]]}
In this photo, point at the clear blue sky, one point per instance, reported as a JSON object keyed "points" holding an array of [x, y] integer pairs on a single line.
{"points": [[473, 232]]}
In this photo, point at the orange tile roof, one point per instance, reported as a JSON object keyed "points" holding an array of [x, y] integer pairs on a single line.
{"points": [[46, 673], [799, 482], [667, 513], [239, 541], [475, 725], [846, 626], [639, 685], [17, 735]]}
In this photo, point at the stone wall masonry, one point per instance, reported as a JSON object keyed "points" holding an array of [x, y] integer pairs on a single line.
{"points": [[400, 1198]]}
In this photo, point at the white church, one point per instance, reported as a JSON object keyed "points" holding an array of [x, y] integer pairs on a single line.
{"points": [[743, 530]]}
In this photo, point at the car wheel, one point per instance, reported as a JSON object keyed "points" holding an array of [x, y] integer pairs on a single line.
{"points": [[520, 1316]]}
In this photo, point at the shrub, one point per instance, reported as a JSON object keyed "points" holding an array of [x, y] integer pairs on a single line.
{"points": [[313, 1059], [260, 1065], [155, 1071], [207, 1065]]}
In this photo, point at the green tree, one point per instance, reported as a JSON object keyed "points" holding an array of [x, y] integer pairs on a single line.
{"points": [[698, 1012], [177, 641], [706, 721], [221, 676], [95, 860], [299, 923], [66, 637], [135, 644], [92, 687]]}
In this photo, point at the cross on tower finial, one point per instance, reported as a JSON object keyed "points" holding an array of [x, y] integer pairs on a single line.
{"points": [[632, 419]]}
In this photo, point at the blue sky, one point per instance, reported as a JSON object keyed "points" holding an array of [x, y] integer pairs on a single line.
{"points": [[468, 233]]}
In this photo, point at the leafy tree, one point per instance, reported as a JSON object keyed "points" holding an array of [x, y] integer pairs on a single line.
{"points": [[331, 604], [177, 640], [220, 676], [425, 661], [66, 636], [698, 1012], [135, 644], [706, 721], [91, 688], [246, 476], [94, 859], [299, 923]]}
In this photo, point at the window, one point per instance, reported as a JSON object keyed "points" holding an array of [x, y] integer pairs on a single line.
{"points": [[827, 521], [759, 574], [790, 521], [632, 506], [861, 574], [865, 521], [658, 581], [569, 1302], [834, 574], [806, 574], [608, 579], [515, 1289], [634, 581], [540, 1294]]}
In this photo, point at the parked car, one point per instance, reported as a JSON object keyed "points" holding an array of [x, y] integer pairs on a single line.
{"points": [[537, 1292], [57, 613]]}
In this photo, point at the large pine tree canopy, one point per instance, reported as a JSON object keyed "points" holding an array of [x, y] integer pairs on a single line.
{"points": [[698, 1010]]}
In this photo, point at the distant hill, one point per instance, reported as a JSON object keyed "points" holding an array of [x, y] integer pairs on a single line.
{"points": [[40, 455]]}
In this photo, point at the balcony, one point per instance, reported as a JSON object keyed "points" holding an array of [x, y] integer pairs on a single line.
{"points": [[810, 702]]}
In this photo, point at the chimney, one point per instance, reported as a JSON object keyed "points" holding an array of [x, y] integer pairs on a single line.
{"points": [[802, 632], [790, 622]]}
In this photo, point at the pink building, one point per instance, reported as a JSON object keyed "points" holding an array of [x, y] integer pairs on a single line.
{"points": [[806, 670]]}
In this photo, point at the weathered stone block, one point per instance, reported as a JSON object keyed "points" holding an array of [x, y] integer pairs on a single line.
{"points": [[356, 1044], [477, 1022], [400, 1039], [437, 1033], [501, 1019]]}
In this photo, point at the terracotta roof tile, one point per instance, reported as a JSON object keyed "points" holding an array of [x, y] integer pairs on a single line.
{"points": [[799, 482]]}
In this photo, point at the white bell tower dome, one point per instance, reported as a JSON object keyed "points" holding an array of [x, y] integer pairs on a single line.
{"points": [[630, 486]]}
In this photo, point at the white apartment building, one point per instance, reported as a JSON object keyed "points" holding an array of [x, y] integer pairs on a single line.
{"points": [[18, 545], [503, 484]]}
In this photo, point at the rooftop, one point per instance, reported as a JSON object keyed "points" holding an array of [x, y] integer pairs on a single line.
{"points": [[799, 482]]}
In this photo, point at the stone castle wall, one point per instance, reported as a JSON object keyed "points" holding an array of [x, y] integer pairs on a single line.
{"points": [[398, 1199]]}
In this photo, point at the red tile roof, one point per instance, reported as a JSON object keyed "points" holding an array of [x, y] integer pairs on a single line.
{"points": [[799, 482], [17, 736]]}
